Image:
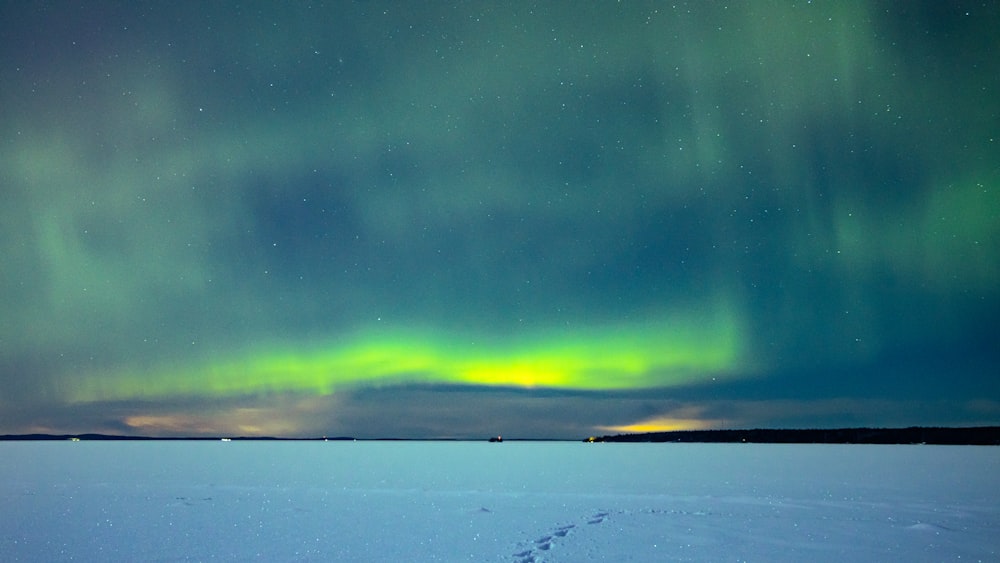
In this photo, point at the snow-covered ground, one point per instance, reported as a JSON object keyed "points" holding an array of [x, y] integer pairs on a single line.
{"points": [[520, 502]]}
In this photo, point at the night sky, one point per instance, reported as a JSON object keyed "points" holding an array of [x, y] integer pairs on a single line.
{"points": [[548, 219]]}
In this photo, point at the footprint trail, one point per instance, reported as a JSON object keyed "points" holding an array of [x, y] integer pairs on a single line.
{"points": [[535, 551]]}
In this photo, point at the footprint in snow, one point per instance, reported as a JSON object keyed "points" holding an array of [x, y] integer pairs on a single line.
{"points": [[540, 546], [926, 527], [598, 518]]}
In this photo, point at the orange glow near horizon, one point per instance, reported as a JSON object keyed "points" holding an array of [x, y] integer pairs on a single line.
{"points": [[663, 424], [240, 421]]}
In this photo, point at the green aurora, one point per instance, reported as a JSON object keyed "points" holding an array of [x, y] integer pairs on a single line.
{"points": [[630, 357], [374, 219]]}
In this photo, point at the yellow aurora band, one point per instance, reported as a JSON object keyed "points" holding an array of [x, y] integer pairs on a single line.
{"points": [[634, 356]]}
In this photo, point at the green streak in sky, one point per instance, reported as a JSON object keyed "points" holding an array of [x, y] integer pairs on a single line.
{"points": [[628, 356], [945, 239]]}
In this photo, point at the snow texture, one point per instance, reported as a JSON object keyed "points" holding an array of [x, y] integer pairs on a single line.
{"points": [[514, 502]]}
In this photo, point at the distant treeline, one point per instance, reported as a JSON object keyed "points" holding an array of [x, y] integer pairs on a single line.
{"points": [[976, 436], [113, 437]]}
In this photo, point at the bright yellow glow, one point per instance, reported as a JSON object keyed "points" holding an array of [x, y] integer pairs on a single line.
{"points": [[662, 424], [688, 417], [635, 356]]}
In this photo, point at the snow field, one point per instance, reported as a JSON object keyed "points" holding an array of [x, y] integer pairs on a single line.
{"points": [[523, 502]]}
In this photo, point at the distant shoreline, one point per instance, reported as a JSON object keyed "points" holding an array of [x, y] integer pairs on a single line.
{"points": [[954, 436], [967, 436], [94, 437]]}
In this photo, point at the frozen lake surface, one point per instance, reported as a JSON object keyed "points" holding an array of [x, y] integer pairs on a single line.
{"points": [[516, 501]]}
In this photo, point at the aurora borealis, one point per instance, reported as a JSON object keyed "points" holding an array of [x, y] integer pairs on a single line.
{"points": [[463, 219]]}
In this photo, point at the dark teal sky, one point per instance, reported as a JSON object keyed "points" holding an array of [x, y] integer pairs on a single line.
{"points": [[542, 220]]}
